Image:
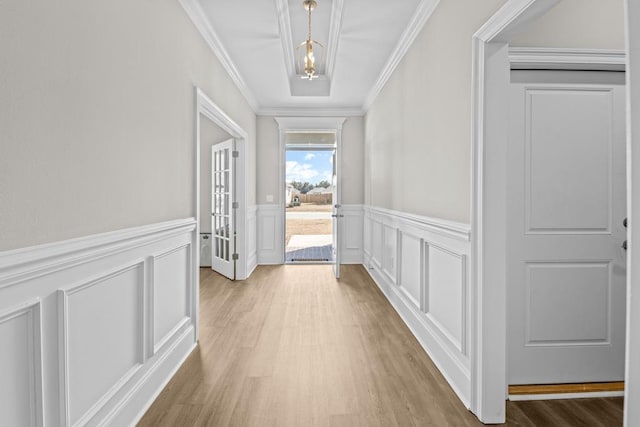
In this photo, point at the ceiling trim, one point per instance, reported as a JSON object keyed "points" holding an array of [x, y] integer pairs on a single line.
{"points": [[311, 112], [334, 36], [573, 59], [198, 17], [284, 24], [423, 13]]}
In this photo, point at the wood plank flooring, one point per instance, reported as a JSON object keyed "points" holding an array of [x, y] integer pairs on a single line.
{"points": [[292, 346]]}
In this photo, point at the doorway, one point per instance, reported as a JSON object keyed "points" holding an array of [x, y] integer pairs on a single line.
{"points": [[220, 193], [309, 198], [491, 80], [312, 136]]}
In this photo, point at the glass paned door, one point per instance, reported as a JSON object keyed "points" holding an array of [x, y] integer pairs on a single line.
{"points": [[222, 220]]}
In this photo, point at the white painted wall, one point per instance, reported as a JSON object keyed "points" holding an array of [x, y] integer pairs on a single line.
{"points": [[110, 87], [594, 24]]}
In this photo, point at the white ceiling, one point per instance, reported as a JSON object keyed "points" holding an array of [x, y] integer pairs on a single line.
{"points": [[256, 42]]}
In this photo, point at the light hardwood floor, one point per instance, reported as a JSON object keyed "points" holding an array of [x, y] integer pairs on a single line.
{"points": [[292, 346]]}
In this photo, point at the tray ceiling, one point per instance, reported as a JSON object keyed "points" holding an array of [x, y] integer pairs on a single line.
{"points": [[258, 39]]}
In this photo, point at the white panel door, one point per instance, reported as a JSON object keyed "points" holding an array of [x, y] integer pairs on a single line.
{"points": [[566, 205], [222, 212]]}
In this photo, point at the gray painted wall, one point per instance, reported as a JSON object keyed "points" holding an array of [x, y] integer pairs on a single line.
{"points": [[97, 116]]}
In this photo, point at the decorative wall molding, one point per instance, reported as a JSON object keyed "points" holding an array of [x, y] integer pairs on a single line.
{"points": [[423, 13], [197, 16], [252, 230], [20, 265], [31, 311], [271, 235], [82, 283], [456, 230], [64, 342], [428, 292], [526, 58], [188, 310]]}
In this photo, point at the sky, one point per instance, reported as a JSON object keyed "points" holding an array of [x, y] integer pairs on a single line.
{"points": [[309, 166]]}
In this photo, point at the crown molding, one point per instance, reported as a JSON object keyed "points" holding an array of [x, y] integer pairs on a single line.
{"points": [[526, 58], [423, 13], [312, 112], [197, 16]]}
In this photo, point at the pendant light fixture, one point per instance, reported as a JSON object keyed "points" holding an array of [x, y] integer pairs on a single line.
{"points": [[305, 49]]}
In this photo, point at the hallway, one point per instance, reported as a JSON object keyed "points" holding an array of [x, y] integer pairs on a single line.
{"points": [[291, 346]]}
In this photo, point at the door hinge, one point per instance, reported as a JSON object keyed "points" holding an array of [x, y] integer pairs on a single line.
{"points": [[235, 257], [235, 154], [235, 205]]}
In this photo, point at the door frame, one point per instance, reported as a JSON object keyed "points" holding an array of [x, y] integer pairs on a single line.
{"points": [[632, 370], [490, 86], [206, 107], [304, 124], [311, 147]]}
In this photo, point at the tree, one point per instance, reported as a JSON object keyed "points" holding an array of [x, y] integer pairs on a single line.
{"points": [[302, 187], [323, 184]]}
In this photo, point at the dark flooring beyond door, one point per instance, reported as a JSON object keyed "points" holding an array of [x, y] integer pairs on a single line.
{"points": [[292, 346]]}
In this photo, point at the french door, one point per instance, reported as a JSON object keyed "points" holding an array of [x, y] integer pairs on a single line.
{"points": [[222, 209]]}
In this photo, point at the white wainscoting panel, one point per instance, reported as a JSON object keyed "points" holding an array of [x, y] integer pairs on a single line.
{"points": [[252, 236], [270, 235], [78, 316], [102, 315], [445, 301], [420, 264], [410, 279], [171, 294], [21, 366]]}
